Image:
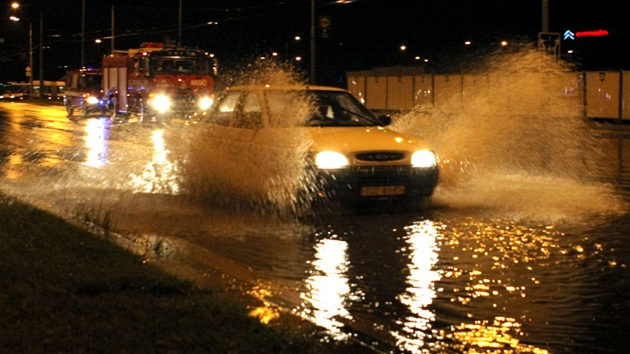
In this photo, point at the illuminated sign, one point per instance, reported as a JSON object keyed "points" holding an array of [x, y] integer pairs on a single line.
{"points": [[598, 33], [568, 35]]}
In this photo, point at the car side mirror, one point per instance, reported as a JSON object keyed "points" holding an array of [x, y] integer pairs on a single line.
{"points": [[385, 120]]}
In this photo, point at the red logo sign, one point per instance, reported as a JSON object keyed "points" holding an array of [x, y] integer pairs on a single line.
{"points": [[598, 33]]}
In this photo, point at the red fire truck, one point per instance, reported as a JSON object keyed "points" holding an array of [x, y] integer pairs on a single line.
{"points": [[84, 93], [157, 82]]}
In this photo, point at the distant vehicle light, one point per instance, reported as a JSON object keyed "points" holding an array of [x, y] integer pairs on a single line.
{"points": [[161, 103], [330, 159], [205, 103], [423, 158]]}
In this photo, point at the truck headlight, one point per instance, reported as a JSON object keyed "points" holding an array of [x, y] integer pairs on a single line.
{"points": [[330, 159], [161, 103], [205, 103], [423, 158], [92, 100]]}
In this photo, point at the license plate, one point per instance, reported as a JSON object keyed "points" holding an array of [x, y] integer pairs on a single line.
{"points": [[375, 191]]}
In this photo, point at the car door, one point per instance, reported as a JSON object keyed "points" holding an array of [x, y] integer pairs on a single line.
{"points": [[235, 161], [235, 119]]}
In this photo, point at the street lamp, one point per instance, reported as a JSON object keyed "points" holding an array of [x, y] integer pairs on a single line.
{"points": [[288, 47], [16, 6], [30, 55]]}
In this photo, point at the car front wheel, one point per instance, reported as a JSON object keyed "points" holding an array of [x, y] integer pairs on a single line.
{"points": [[70, 111]]}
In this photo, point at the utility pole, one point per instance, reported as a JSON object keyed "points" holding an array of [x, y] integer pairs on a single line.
{"points": [[41, 54], [179, 26], [545, 16], [548, 42], [83, 34], [313, 42], [113, 37]]}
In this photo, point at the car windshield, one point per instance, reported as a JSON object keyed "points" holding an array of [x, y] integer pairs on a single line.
{"points": [[90, 82], [318, 108]]}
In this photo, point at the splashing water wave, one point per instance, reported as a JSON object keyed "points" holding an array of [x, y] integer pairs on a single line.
{"points": [[518, 143]]}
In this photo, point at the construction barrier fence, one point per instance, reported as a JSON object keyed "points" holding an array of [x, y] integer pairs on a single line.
{"points": [[601, 94]]}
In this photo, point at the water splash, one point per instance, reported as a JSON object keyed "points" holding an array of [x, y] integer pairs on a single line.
{"points": [[261, 71], [263, 170], [517, 143]]}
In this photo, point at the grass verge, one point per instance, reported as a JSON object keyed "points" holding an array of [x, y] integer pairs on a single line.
{"points": [[66, 290]]}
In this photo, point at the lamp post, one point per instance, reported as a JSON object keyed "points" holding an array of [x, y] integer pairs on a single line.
{"points": [[30, 54], [15, 6]]}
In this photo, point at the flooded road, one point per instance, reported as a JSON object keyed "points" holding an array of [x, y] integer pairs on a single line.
{"points": [[507, 260]]}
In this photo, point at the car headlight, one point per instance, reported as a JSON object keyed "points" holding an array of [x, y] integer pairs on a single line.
{"points": [[423, 158], [92, 100], [205, 103], [161, 103], [330, 159]]}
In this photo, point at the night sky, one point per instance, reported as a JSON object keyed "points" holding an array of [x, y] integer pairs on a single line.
{"points": [[363, 34]]}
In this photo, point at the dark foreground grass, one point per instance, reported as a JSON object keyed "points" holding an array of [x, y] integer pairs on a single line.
{"points": [[64, 290]]}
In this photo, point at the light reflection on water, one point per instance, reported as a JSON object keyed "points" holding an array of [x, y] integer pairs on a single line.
{"points": [[422, 252], [328, 290], [96, 142], [160, 174], [488, 283], [448, 283]]}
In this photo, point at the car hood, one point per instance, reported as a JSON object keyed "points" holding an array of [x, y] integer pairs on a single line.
{"points": [[356, 139]]}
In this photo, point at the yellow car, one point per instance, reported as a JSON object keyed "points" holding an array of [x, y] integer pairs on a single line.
{"points": [[350, 155]]}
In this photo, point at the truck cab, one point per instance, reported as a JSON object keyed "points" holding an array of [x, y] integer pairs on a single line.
{"points": [[157, 82], [84, 94]]}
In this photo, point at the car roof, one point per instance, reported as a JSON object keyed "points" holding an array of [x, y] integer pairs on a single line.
{"points": [[270, 87]]}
